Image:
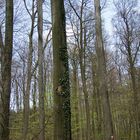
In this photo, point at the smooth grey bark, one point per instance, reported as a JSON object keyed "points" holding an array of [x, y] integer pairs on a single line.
{"points": [[40, 72], [103, 89], [6, 63], [61, 87]]}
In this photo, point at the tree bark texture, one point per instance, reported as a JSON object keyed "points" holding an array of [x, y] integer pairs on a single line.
{"points": [[6, 63], [61, 88]]}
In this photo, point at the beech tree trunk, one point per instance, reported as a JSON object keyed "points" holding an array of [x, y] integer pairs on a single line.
{"points": [[61, 88], [103, 90], [6, 63], [40, 74]]}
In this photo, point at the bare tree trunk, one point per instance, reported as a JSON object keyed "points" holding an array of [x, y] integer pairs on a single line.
{"points": [[75, 94], [108, 126], [98, 104], [17, 95], [6, 73], [83, 76], [81, 112], [83, 117], [61, 87], [87, 107], [94, 103], [29, 74], [34, 96], [40, 75]]}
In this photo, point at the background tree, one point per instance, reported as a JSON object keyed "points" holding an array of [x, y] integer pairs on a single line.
{"points": [[101, 61], [41, 83], [32, 15], [127, 33]]}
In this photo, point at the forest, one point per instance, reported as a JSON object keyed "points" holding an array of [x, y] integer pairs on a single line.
{"points": [[69, 70]]}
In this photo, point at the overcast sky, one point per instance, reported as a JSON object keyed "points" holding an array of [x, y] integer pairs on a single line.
{"points": [[108, 13], [107, 16]]}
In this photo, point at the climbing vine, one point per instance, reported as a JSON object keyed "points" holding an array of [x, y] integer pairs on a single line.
{"points": [[65, 92]]}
